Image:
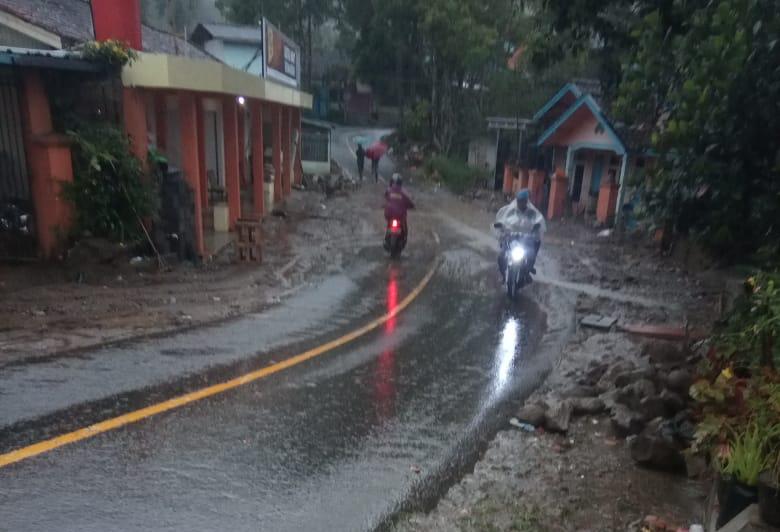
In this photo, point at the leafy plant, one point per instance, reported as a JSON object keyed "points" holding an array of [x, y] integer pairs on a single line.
{"points": [[456, 175], [112, 52], [749, 339], [110, 190], [748, 454]]}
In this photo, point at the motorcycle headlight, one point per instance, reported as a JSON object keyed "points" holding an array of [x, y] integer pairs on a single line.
{"points": [[517, 253]]}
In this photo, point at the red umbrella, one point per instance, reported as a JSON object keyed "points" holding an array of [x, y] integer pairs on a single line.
{"points": [[376, 150]]}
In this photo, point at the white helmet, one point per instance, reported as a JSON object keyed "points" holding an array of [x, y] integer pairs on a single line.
{"points": [[397, 179]]}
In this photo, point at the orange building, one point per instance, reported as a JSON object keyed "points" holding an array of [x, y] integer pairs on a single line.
{"points": [[222, 127]]}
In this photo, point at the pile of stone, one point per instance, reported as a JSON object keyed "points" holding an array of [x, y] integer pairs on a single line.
{"points": [[647, 402]]}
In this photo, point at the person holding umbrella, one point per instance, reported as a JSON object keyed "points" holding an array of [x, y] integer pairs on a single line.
{"points": [[375, 153]]}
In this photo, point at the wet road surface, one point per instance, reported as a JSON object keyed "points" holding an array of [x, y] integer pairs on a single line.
{"points": [[340, 442]]}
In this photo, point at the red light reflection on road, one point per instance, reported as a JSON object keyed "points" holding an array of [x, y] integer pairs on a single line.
{"points": [[384, 375], [392, 300]]}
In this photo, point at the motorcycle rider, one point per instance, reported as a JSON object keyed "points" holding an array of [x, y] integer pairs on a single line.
{"points": [[520, 216], [397, 203]]}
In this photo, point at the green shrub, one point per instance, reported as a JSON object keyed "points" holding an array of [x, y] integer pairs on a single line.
{"points": [[112, 52], [751, 336], [458, 176], [416, 122], [109, 191]]}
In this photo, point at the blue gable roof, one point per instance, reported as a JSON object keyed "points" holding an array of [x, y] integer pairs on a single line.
{"points": [[588, 101], [569, 87]]}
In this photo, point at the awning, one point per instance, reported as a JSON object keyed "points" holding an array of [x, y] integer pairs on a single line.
{"points": [[169, 72], [49, 59]]}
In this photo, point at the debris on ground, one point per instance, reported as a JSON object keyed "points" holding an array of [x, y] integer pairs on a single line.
{"points": [[595, 321]]}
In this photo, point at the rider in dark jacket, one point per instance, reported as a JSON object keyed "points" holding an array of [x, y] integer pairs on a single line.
{"points": [[397, 203]]}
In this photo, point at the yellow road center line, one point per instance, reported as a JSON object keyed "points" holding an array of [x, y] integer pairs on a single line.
{"points": [[137, 415]]}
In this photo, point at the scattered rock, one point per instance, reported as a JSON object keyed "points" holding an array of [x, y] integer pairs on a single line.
{"points": [[679, 380], [533, 414], [628, 377], [625, 421], [653, 447], [37, 313], [610, 398], [595, 373], [607, 381], [632, 395], [558, 416], [673, 402], [581, 391], [587, 406], [651, 408], [664, 353], [683, 427]]}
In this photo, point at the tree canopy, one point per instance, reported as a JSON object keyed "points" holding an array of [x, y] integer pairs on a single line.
{"points": [[706, 76]]}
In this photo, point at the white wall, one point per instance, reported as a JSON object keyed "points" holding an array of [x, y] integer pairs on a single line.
{"points": [[482, 153], [213, 143]]}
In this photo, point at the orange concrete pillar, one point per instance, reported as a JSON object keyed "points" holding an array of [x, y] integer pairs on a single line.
{"points": [[49, 166], [258, 166], [161, 120], [523, 178], [242, 169], [188, 116], [536, 186], [298, 135], [559, 193], [204, 178], [232, 159], [509, 177], [134, 117], [276, 126], [286, 151], [608, 194]]}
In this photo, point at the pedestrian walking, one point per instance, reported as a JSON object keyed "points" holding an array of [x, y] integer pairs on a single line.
{"points": [[375, 169], [375, 153], [360, 154]]}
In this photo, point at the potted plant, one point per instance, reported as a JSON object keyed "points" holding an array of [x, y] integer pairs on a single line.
{"points": [[741, 462], [769, 495]]}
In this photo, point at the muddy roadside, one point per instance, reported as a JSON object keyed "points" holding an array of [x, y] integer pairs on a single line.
{"points": [[51, 308], [570, 458]]}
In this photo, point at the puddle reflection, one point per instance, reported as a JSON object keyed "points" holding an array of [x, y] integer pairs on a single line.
{"points": [[384, 381]]}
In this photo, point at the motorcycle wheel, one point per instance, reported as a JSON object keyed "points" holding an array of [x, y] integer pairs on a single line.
{"points": [[395, 247], [511, 285]]}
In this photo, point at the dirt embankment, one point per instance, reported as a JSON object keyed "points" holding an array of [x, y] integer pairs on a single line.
{"points": [[49, 308]]}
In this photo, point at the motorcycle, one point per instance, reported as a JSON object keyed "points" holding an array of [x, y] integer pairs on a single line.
{"points": [[517, 258], [395, 238], [16, 217]]}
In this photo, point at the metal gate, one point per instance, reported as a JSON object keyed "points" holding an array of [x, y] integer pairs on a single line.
{"points": [[16, 210]]}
